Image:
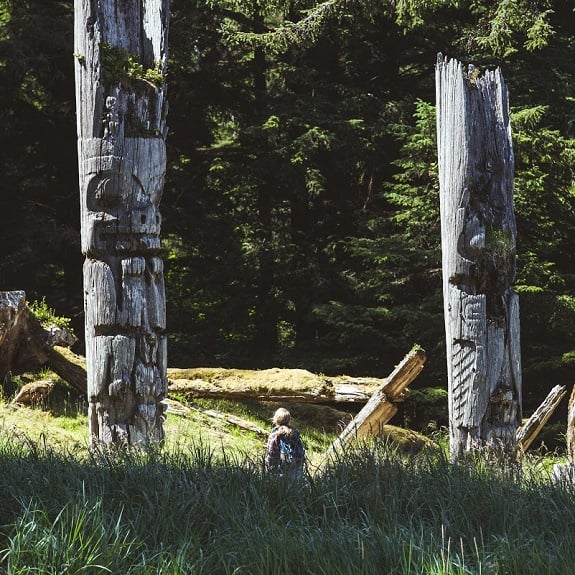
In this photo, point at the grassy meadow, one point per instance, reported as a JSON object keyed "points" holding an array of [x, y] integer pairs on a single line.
{"points": [[203, 505]]}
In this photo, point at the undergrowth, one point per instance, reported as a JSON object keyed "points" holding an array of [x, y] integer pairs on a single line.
{"points": [[198, 511]]}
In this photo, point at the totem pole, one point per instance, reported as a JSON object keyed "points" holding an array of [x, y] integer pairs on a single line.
{"points": [[121, 59], [478, 232]]}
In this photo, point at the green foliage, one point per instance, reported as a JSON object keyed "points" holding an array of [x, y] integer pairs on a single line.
{"points": [[505, 23], [425, 410], [119, 65], [301, 209], [46, 315], [414, 190]]}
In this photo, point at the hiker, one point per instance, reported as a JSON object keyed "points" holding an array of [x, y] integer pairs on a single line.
{"points": [[285, 451]]}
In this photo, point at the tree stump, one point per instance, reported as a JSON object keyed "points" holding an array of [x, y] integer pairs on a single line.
{"points": [[121, 61], [478, 232], [26, 344]]}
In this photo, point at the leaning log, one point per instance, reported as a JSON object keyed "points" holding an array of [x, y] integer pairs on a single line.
{"points": [[531, 428], [478, 230], [69, 366], [381, 407]]}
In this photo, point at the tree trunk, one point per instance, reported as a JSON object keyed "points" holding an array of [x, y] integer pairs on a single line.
{"points": [[121, 59], [13, 314], [478, 250]]}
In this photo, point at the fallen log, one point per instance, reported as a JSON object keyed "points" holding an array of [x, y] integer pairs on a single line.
{"points": [[26, 345], [178, 408], [381, 407], [235, 421], [274, 384], [531, 428]]}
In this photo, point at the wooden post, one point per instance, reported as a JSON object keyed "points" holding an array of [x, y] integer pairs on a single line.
{"points": [[382, 405], [121, 60], [481, 309]]}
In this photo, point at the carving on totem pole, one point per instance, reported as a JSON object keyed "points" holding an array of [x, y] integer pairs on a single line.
{"points": [[124, 286]]}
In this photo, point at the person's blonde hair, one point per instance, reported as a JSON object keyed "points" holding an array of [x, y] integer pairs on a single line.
{"points": [[281, 417]]}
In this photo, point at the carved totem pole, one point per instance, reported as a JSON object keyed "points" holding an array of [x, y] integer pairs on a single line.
{"points": [[478, 258], [121, 105]]}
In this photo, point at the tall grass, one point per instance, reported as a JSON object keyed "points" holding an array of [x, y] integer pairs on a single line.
{"points": [[192, 512]]}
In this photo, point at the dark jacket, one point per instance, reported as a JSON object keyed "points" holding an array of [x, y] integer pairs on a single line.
{"points": [[273, 458]]}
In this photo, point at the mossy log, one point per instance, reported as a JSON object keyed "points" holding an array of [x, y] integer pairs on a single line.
{"points": [[293, 385], [69, 366]]}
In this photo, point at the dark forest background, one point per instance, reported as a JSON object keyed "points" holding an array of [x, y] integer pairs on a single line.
{"points": [[301, 208]]}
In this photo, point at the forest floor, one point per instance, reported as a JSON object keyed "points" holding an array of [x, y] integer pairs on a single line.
{"points": [[222, 425]]}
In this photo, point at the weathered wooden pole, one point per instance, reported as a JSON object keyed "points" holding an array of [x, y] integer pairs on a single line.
{"points": [[565, 472], [478, 257], [121, 105]]}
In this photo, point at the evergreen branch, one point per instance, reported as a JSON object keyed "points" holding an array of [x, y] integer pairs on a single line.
{"points": [[302, 33], [305, 32]]}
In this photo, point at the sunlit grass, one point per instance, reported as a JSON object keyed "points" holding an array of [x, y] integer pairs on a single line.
{"points": [[200, 508], [203, 504]]}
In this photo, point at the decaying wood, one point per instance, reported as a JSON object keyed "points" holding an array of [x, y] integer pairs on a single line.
{"points": [[69, 366], [13, 318], [235, 421], [34, 393], [478, 230], [571, 428], [270, 385], [174, 406], [531, 428], [381, 407], [25, 344], [121, 106]]}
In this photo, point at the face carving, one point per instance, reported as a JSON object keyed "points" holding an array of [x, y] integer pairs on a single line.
{"points": [[121, 197]]}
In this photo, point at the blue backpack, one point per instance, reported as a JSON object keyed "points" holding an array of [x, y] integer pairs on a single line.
{"points": [[292, 451]]}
